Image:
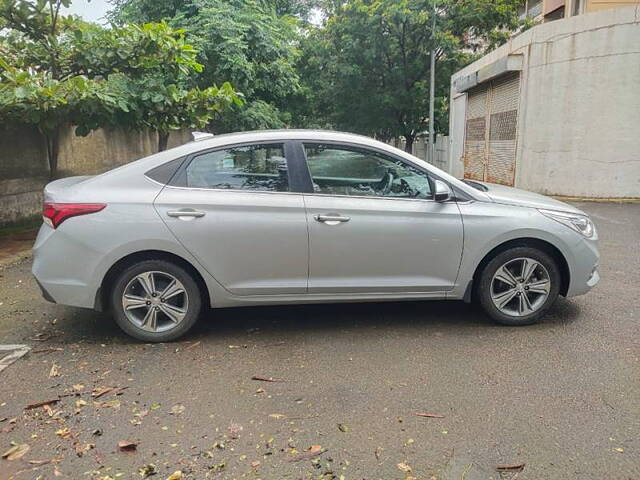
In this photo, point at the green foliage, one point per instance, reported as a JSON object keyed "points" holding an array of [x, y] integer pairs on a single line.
{"points": [[244, 41], [38, 98], [367, 68], [59, 70]]}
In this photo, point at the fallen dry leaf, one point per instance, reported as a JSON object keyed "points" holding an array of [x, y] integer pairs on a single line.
{"points": [[7, 429], [55, 371], [16, 452], [100, 391], [51, 412], [516, 467], [48, 350], [377, 452], [429, 415], [255, 464], [266, 379], [64, 433], [41, 404], [127, 447], [147, 470], [81, 448], [177, 475], [313, 451], [108, 404], [343, 428], [177, 409]]}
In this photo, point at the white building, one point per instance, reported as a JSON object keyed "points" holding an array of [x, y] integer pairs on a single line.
{"points": [[555, 110]]}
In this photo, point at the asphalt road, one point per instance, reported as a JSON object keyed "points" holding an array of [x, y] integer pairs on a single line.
{"points": [[562, 397]]}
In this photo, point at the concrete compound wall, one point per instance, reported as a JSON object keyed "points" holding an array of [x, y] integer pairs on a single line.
{"points": [[579, 112], [420, 149], [24, 170]]}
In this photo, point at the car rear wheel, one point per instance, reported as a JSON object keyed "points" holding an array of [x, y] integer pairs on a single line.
{"points": [[156, 301], [519, 285]]}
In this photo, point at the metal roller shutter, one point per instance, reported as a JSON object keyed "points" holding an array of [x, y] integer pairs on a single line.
{"points": [[490, 138], [475, 134]]}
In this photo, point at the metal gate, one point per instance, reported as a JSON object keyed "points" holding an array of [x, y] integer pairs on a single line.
{"points": [[490, 133]]}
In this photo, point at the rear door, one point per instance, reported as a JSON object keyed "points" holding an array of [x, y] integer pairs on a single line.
{"points": [[234, 210], [374, 226]]}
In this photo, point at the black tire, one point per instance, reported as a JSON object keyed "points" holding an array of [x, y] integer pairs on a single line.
{"points": [[484, 286], [191, 288]]}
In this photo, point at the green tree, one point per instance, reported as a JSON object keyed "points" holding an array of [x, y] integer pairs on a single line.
{"points": [[59, 70], [252, 43], [368, 65], [157, 73]]}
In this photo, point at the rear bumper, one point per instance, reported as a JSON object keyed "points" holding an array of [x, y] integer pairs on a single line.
{"points": [[46, 295], [62, 268]]}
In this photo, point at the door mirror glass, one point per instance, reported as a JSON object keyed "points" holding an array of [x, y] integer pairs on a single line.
{"points": [[443, 191]]}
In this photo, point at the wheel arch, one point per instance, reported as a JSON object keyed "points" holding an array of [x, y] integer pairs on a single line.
{"points": [[543, 245], [102, 295]]}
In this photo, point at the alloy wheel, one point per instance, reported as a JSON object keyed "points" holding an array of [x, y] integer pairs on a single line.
{"points": [[155, 301], [520, 287]]}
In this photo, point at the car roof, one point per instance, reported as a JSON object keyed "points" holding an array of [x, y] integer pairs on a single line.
{"points": [[286, 134]]}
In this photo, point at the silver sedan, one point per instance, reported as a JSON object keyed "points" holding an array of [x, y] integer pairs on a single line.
{"points": [[301, 216]]}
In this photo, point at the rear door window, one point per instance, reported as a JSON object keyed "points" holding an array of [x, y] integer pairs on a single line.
{"points": [[248, 167]]}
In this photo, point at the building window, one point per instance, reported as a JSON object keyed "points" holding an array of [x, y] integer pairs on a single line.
{"points": [[577, 7], [554, 10]]}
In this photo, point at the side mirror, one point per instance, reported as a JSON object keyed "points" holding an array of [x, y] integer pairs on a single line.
{"points": [[443, 191]]}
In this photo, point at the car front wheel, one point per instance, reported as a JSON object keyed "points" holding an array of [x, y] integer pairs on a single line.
{"points": [[519, 285], [156, 301]]}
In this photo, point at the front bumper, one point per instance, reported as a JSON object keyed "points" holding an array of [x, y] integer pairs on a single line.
{"points": [[584, 267]]}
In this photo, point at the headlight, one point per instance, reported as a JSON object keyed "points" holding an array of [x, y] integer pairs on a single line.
{"points": [[580, 223]]}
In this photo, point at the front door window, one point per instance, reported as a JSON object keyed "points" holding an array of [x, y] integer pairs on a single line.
{"points": [[341, 170]]}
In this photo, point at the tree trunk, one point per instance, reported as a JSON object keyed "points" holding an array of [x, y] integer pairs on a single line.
{"points": [[163, 140], [409, 139], [52, 143]]}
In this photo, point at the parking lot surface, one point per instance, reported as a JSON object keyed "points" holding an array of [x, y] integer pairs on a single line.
{"points": [[561, 398]]}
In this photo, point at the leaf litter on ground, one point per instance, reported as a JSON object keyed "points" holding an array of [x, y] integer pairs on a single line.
{"points": [[16, 452]]}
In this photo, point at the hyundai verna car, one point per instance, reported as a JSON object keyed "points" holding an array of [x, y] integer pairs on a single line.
{"points": [[288, 217]]}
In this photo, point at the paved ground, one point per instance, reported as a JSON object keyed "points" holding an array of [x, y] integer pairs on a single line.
{"points": [[562, 397]]}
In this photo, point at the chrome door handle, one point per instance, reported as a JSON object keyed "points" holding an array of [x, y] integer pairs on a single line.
{"points": [[331, 219], [185, 213]]}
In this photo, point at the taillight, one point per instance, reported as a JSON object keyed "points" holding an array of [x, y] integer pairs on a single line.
{"points": [[55, 213]]}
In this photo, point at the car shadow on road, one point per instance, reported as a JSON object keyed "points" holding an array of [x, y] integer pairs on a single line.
{"points": [[453, 317], [439, 315]]}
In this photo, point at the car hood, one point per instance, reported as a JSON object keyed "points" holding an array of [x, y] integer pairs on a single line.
{"points": [[523, 198]]}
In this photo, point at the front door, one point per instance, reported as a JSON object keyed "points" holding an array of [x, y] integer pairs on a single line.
{"points": [[374, 227], [232, 209]]}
